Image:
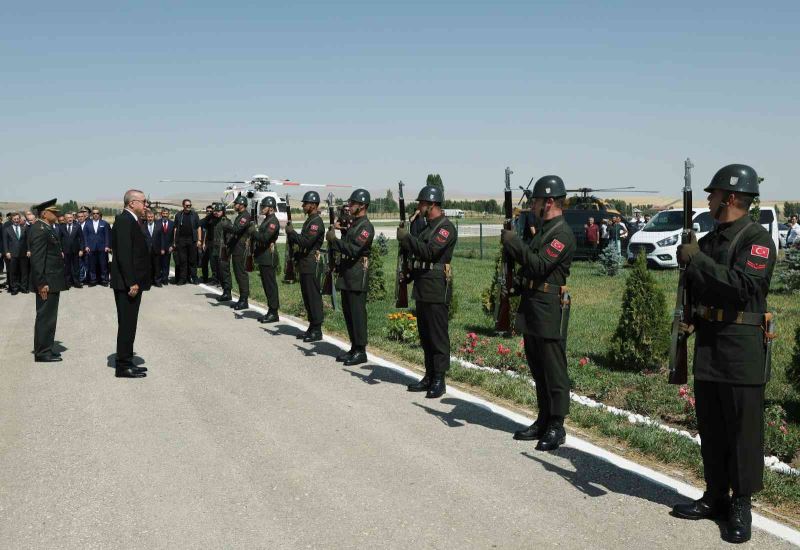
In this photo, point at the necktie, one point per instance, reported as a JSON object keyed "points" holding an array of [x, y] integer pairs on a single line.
{"points": [[69, 230], [17, 232], [165, 227]]}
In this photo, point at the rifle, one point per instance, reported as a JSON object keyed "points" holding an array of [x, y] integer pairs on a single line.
{"points": [[401, 274], [249, 264], [505, 278], [328, 286], [288, 270], [678, 353]]}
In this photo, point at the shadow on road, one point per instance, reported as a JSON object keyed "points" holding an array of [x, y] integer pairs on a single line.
{"points": [[319, 348], [464, 412], [378, 374], [279, 329], [112, 360], [247, 314]]}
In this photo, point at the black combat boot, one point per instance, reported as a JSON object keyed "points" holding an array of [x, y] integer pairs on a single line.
{"points": [[739, 520], [710, 506], [534, 431], [342, 357], [554, 436], [225, 296], [242, 304], [314, 335], [359, 356], [437, 388], [270, 317], [422, 385]]}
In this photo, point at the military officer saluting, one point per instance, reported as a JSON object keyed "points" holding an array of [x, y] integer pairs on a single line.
{"points": [[219, 251], [543, 309], [729, 273], [265, 255], [431, 252], [47, 279], [307, 261], [352, 276], [236, 244]]}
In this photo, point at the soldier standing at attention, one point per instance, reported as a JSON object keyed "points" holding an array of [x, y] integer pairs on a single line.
{"points": [[542, 317], [352, 277], [307, 261], [219, 251], [265, 254], [237, 248], [431, 252], [729, 273], [211, 222], [47, 278]]}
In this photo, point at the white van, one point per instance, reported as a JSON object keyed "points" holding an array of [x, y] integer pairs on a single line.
{"points": [[660, 237]]}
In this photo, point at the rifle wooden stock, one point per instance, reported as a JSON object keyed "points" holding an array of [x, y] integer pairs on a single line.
{"points": [[328, 288], [678, 350]]}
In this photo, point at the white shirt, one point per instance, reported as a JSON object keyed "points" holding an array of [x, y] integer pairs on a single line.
{"points": [[95, 224], [793, 234], [150, 228]]}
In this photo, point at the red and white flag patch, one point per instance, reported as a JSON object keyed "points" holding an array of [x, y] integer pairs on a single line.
{"points": [[551, 253], [760, 251], [243, 221], [272, 226], [758, 267], [313, 227], [558, 245], [365, 234], [444, 233]]}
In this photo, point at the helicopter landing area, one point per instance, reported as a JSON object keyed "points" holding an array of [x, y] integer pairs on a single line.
{"points": [[242, 436]]}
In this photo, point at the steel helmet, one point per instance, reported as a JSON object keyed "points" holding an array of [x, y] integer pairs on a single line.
{"points": [[549, 186], [268, 202], [738, 178], [360, 195], [219, 207], [431, 193], [241, 199], [311, 196]]}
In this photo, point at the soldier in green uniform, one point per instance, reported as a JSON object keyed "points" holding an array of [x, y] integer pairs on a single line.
{"points": [[431, 252], [265, 254], [47, 279], [352, 274], [237, 247], [219, 252], [729, 273], [307, 262], [544, 267]]}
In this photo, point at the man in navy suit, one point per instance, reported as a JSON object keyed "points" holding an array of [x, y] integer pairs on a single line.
{"points": [[72, 245], [167, 228], [97, 244], [15, 244], [152, 236], [83, 217]]}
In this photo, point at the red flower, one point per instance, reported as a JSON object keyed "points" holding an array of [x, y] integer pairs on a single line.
{"points": [[583, 361], [683, 391], [784, 430]]}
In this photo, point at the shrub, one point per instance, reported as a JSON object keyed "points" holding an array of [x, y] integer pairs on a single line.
{"points": [[402, 327], [641, 340], [377, 279], [382, 245], [489, 294], [610, 261], [793, 370], [790, 274], [779, 440]]}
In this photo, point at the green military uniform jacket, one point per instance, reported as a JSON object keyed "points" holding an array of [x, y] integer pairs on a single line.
{"points": [[431, 253], [265, 252], [352, 271], [307, 244], [210, 228], [545, 259], [237, 242], [47, 261], [734, 276], [218, 241]]}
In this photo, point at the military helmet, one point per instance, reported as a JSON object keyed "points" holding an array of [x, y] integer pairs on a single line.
{"points": [[431, 193], [738, 178], [241, 199], [549, 186], [311, 196], [359, 195], [268, 202], [218, 207]]}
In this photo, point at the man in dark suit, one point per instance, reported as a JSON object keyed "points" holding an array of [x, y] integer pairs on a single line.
{"points": [[130, 276], [17, 254], [97, 237], [167, 228], [47, 274], [188, 239], [72, 244], [152, 236], [83, 217]]}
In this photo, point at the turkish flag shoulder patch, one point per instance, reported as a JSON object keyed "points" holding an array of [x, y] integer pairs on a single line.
{"points": [[558, 245], [759, 251]]}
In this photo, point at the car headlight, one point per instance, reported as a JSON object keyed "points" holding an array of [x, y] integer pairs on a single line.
{"points": [[669, 241]]}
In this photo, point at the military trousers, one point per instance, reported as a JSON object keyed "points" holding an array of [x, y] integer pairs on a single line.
{"points": [[242, 277], [44, 329], [354, 308], [547, 360], [127, 321], [270, 284], [312, 299], [730, 419], [223, 272], [432, 325]]}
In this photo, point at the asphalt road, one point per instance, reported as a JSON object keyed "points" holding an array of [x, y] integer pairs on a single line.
{"points": [[243, 437]]}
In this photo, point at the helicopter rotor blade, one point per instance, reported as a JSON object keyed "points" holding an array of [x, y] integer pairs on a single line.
{"points": [[201, 181], [290, 183]]}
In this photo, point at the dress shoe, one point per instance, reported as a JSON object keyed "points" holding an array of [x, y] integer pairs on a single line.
{"points": [[356, 359], [77, 286], [302, 335], [552, 438], [56, 354], [422, 385], [104, 283], [437, 388], [707, 507], [534, 431], [225, 297], [158, 285], [271, 317], [241, 305], [14, 292], [195, 281], [48, 359], [342, 357], [313, 336], [739, 521], [138, 369], [129, 373]]}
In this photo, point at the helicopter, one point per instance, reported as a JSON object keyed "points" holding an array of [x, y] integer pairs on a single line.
{"points": [[256, 189], [586, 201]]}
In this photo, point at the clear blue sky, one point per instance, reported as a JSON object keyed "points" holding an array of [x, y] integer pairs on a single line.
{"points": [[95, 98]]}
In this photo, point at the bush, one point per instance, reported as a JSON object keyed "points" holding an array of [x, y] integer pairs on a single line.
{"points": [[377, 278], [382, 245], [793, 370], [402, 327], [779, 440], [641, 340], [489, 294], [790, 274], [610, 261]]}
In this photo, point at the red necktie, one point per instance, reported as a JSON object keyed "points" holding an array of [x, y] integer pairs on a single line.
{"points": [[165, 228]]}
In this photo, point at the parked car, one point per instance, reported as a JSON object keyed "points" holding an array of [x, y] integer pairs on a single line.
{"points": [[783, 231]]}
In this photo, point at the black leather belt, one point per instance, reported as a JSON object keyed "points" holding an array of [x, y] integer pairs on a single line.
{"points": [[722, 315]]}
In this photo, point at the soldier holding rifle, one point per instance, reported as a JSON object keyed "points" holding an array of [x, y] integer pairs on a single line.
{"points": [[352, 276], [219, 251], [237, 248], [543, 313], [728, 274], [431, 252], [265, 254]]}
